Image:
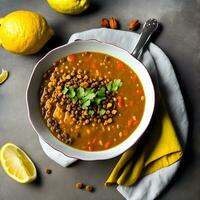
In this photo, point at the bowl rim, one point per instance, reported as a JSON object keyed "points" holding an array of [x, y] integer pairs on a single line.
{"points": [[92, 152]]}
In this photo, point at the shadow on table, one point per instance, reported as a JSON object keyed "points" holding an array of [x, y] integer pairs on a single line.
{"points": [[157, 33], [38, 181], [54, 42]]}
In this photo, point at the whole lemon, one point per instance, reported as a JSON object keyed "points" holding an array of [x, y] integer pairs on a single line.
{"points": [[24, 32], [71, 7]]}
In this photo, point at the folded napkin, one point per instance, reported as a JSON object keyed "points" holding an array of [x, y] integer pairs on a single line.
{"points": [[158, 148], [153, 162]]}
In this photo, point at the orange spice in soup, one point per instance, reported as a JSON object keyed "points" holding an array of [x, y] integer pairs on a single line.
{"points": [[91, 101]]}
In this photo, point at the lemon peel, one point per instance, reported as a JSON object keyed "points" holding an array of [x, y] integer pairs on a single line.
{"points": [[24, 32], [71, 7]]}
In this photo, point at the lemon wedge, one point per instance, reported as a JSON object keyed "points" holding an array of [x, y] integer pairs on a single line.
{"points": [[17, 164], [3, 76]]}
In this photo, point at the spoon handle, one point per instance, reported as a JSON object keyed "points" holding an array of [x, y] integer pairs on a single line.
{"points": [[149, 27]]}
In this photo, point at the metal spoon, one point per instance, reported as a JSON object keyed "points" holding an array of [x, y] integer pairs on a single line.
{"points": [[149, 27]]}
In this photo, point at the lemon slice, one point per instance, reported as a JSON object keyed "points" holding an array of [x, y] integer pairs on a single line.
{"points": [[17, 164], [3, 76]]}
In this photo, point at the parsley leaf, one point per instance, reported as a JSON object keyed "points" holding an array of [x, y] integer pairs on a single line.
{"points": [[88, 91], [98, 100], [74, 99], [100, 95], [101, 92], [89, 97], [64, 91], [80, 92], [114, 86], [86, 104], [109, 86], [71, 93]]}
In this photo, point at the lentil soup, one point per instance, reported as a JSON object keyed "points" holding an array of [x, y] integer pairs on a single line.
{"points": [[91, 101]]}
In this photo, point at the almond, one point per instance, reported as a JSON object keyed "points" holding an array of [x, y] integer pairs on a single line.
{"points": [[105, 23], [113, 23], [133, 25]]}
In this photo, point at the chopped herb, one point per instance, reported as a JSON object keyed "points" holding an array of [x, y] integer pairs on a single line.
{"points": [[64, 91], [101, 92], [71, 93], [98, 100], [86, 104], [89, 96], [114, 86], [102, 111], [109, 86], [100, 96], [80, 92], [74, 99], [91, 112], [88, 91]]}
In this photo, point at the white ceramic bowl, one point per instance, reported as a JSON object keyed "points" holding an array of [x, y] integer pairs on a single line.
{"points": [[32, 97]]}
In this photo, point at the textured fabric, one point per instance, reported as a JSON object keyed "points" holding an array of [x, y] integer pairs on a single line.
{"points": [[57, 156], [158, 148], [161, 71]]}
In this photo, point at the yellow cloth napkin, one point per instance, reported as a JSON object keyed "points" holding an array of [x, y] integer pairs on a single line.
{"points": [[158, 148]]}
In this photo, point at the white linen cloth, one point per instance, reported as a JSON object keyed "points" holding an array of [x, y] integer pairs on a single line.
{"points": [[161, 70]]}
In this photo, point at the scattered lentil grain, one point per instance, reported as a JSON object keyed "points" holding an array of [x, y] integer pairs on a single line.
{"points": [[48, 171], [89, 188], [80, 185]]}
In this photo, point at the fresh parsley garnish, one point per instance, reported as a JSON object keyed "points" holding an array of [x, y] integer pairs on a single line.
{"points": [[101, 92], [86, 104], [74, 99], [114, 86], [98, 100], [109, 86], [88, 96], [100, 95], [88, 91], [80, 93], [64, 91], [71, 93]]}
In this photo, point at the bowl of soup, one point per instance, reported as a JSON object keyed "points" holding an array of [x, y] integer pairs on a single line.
{"points": [[90, 100]]}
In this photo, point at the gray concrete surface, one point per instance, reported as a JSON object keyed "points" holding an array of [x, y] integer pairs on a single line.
{"points": [[179, 37]]}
